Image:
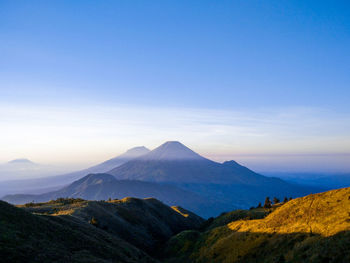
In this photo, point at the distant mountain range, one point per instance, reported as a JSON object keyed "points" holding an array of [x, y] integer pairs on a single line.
{"points": [[49, 183], [24, 168], [105, 186], [174, 174]]}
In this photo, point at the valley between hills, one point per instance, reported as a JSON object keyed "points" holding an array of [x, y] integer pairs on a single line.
{"points": [[315, 228], [173, 205]]}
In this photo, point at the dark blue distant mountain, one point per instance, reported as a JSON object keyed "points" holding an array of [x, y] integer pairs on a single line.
{"points": [[229, 182], [176, 175]]}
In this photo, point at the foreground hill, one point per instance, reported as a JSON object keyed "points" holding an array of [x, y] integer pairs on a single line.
{"points": [[25, 237], [105, 186], [315, 228], [144, 223], [50, 183]]}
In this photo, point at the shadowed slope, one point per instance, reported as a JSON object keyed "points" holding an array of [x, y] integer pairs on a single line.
{"points": [[104, 186], [145, 223], [32, 238]]}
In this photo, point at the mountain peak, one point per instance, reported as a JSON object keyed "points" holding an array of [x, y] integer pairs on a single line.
{"points": [[172, 150], [21, 161], [136, 151]]}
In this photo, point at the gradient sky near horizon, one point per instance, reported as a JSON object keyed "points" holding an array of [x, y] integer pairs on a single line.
{"points": [[264, 82]]}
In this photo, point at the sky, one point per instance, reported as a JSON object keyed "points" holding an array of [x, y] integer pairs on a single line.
{"points": [[266, 83]]}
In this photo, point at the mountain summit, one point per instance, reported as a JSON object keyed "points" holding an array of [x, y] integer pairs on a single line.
{"points": [[172, 150], [21, 161], [174, 162]]}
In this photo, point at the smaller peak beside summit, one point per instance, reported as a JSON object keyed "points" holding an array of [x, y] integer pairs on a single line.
{"points": [[136, 151]]}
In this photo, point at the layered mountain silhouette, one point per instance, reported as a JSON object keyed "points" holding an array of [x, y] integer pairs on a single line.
{"points": [[105, 186], [174, 162], [174, 174], [229, 182]]}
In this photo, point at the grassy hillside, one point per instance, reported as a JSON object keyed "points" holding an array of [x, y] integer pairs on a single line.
{"points": [[145, 223], [315, 228], [25, 237]]}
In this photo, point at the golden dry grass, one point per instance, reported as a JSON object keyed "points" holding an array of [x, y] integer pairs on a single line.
{"points": [[325, 214], [315, 228]]}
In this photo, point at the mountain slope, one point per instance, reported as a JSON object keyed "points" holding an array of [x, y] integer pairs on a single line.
{"points": [[174, 162], [315, 228], [104, 186], [145, 223], [25, 237], [45, 184], [231, 183], [117, 161]]}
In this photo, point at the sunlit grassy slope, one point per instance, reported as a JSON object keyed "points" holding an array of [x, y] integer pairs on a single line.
{"points": [[315, 228]]}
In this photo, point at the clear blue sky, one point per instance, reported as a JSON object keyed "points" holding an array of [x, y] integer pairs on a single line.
{"points": [[274, 65]]}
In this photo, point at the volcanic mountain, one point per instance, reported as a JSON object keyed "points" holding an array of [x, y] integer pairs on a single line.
{"points": [[174, 162], [175, 174], [229, 182]]}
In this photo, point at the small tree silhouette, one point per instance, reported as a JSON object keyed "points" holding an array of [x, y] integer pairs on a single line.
{"points": [[285, 200], [259, 205], [267, 203], [276, 200]]}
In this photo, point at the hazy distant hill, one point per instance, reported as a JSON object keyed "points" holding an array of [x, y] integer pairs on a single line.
{"points": [[104, 186], [315, 228], [46, 184], [24, 169], [25, 237], [144, 223]]}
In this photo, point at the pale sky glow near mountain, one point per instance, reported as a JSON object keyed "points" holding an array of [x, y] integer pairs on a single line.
{"points": [[264, 83]]}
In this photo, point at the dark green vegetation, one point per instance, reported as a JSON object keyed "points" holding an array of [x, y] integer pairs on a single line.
{"points": [[76, 230], [25, 237], [145, 223]]}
